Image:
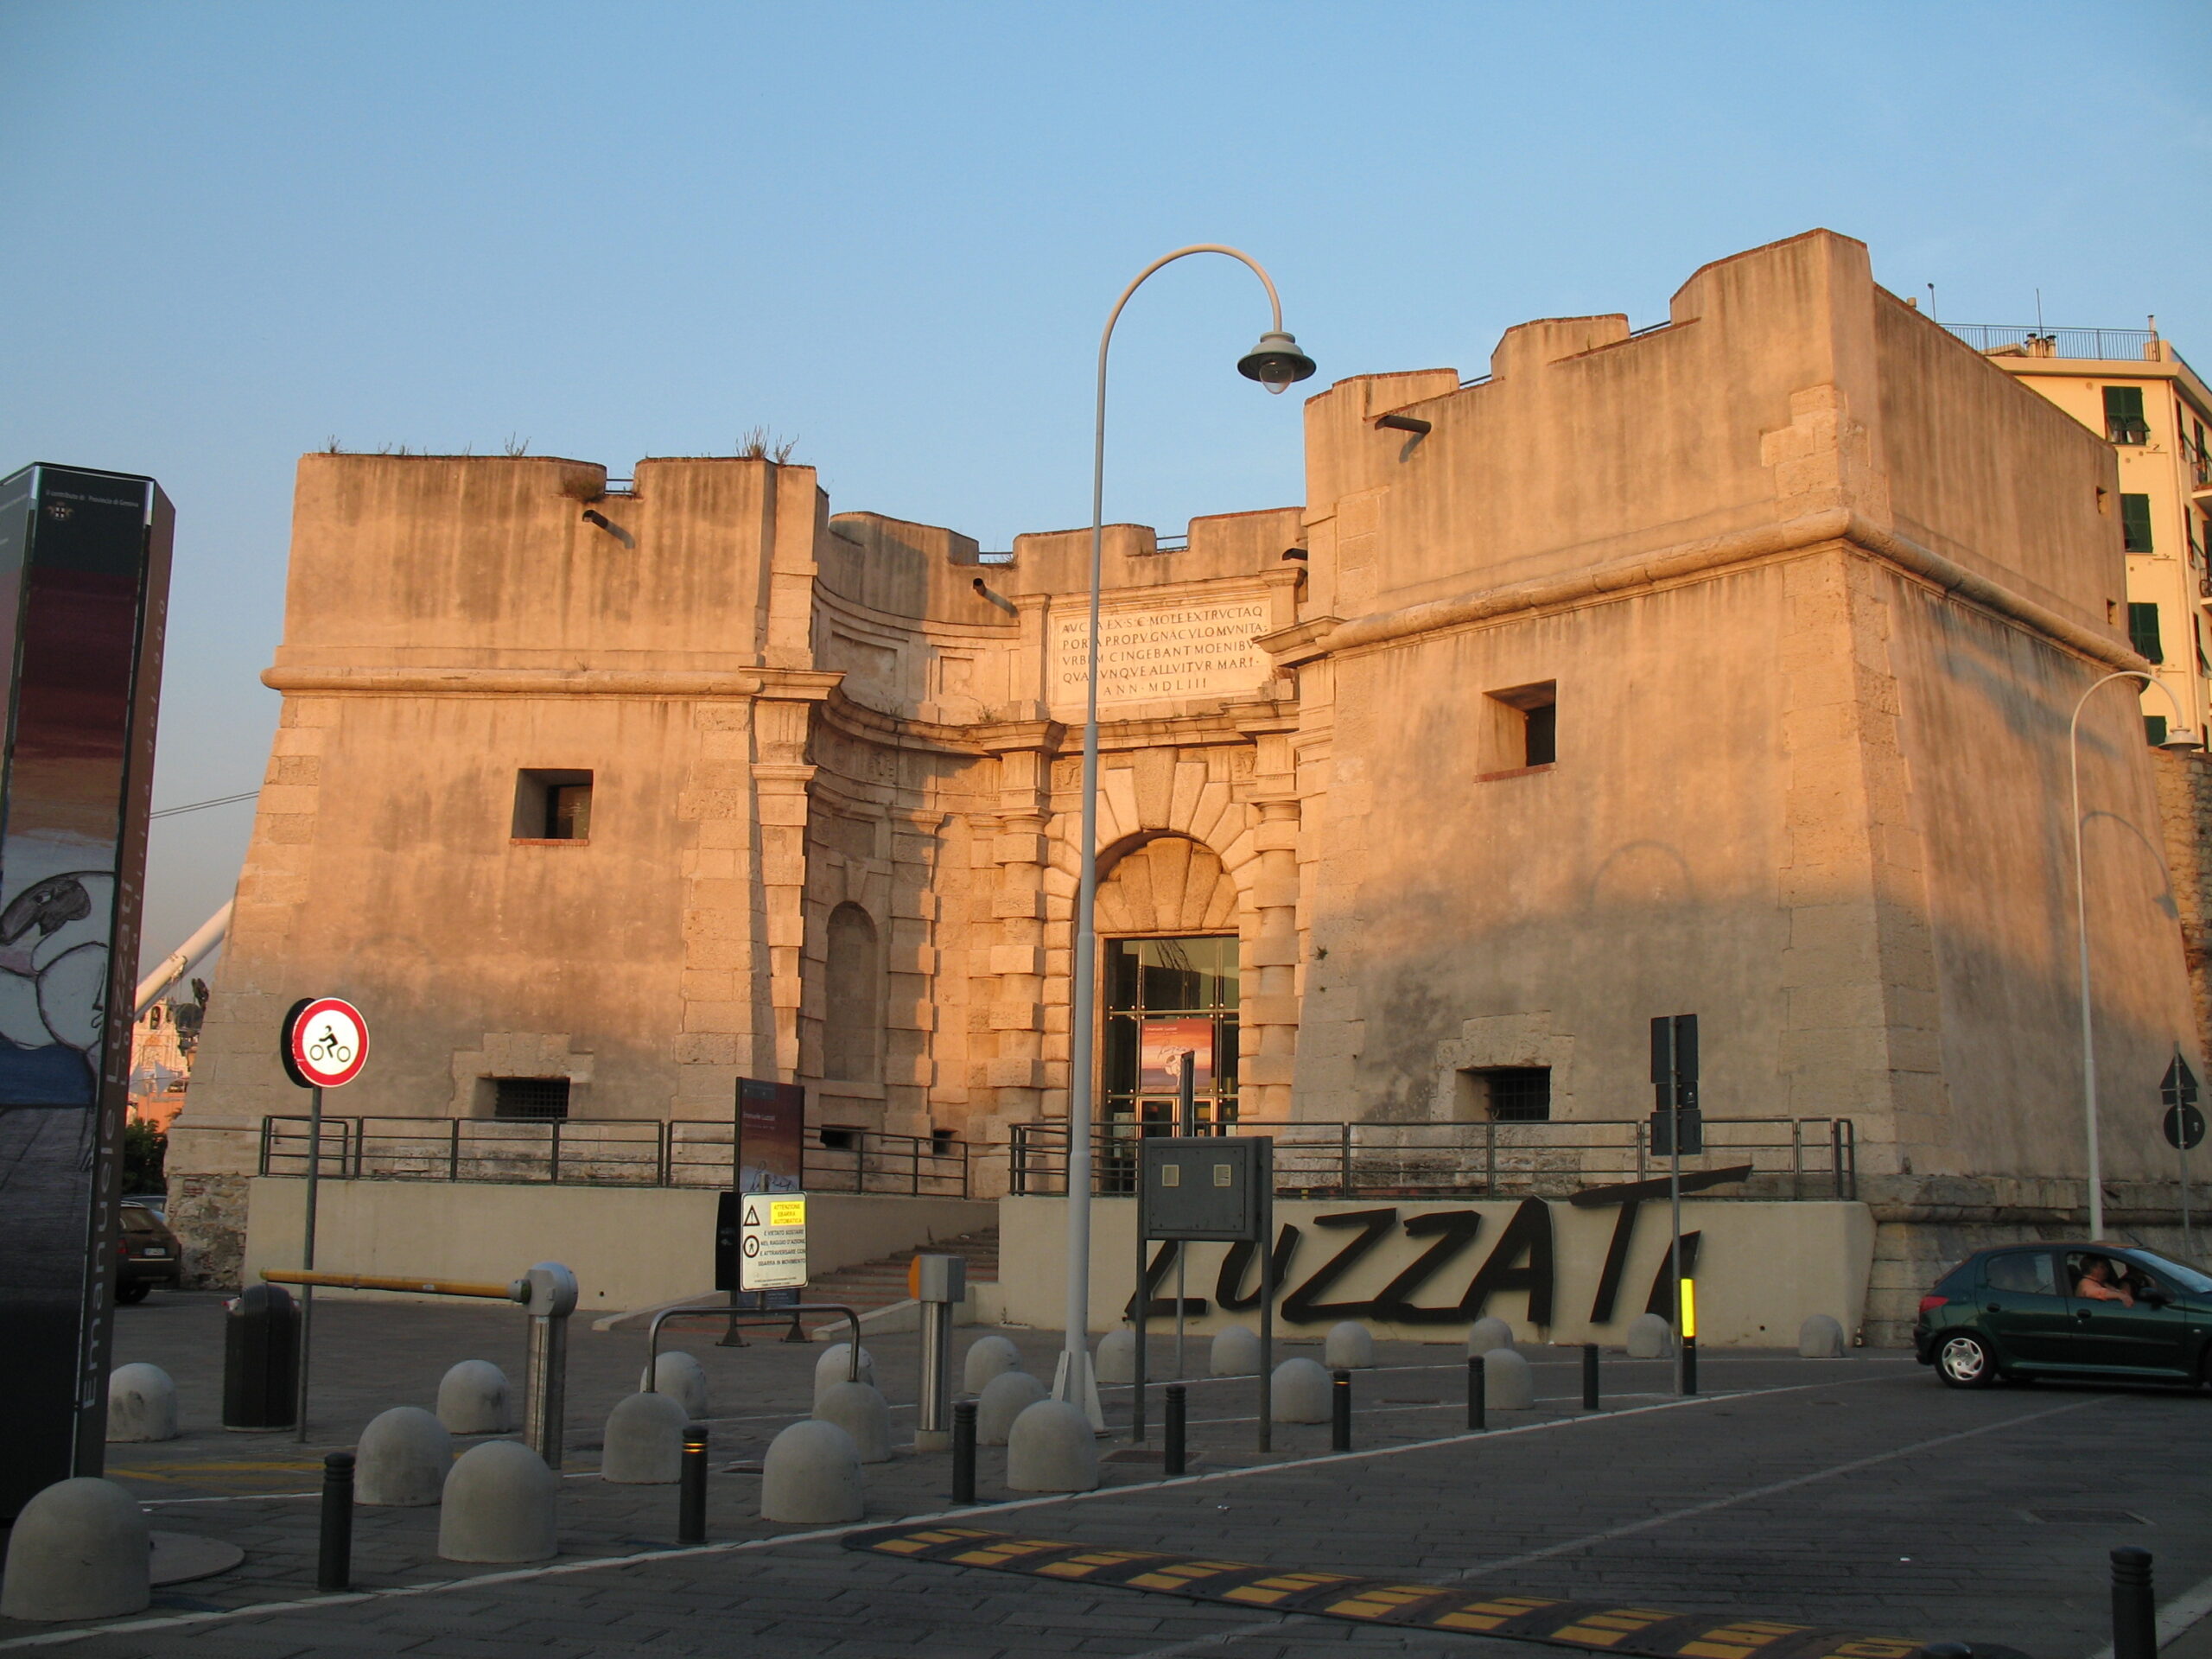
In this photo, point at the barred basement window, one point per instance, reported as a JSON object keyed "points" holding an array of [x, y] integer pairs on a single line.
{"points": [[2143, 631], [532, 1100], [1507, 1094]]}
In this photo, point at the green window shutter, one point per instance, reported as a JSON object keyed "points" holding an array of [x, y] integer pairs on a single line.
{"points": [[2143, 631], [2154, 729], [2135, 522], [2124, 421]]}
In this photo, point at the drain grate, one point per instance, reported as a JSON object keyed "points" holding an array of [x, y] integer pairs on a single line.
{"points": [[2087, 1518]]}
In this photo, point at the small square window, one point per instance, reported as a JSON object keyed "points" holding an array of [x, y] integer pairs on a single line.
{"points": [[552, 804], [1522, 730], [530, 1100], [1506, 1093], [2135, 522]]}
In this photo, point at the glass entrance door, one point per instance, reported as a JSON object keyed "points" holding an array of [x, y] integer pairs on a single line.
{"points": [[1165, 997]]}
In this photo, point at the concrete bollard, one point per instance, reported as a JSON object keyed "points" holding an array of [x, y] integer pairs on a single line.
{"points": [[1052, 1448], [858, 1409], [499, 1506], [1820, 1338], [1488, 1334], [1006, 1397], [1235, 1353], [813, 1476], [683, 1379], [987, 1358], [836, 1362], [1349, 1347], [645, 1441], [81, 1549], [1508, 1383], [1649, 1337], [1117, 1356], [474, 1399], [1301, 1392], [402, 1459], [141, 1405]]}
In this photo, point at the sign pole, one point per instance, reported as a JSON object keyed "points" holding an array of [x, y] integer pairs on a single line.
{"points": [[307, 1252], [324, 1045], [1186, 1125]]}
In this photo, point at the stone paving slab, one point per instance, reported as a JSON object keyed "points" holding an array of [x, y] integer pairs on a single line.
{"points": [[1854, 1491]]}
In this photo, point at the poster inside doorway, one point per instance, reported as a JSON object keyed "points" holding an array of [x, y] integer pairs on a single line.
{"points": [[1161, 1045], [771, 1135]]}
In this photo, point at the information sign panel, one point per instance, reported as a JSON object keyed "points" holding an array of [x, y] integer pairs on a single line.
{"points": [[771, 1242]]}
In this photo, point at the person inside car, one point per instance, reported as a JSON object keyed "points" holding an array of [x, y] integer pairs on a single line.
{"points": [[2099, 1283]]}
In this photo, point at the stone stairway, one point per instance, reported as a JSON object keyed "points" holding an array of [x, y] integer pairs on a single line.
{"points": [[870, 1285]]}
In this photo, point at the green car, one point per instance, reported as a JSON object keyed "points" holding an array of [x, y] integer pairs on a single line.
{"points": [[2023, 1311]]}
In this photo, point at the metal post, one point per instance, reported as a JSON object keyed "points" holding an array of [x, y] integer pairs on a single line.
{"points": [[1589, 1377], [1186, 1125], [452, 1154], [553, 1170], [1685, 1368], [1340, 1412], [1173, 1460], [307, 1252], [1686, 1348], [1267, 1177], [1343, 1159], [964, 1452], [1478, 1394], [334, 1558], [932, 1433], [1139, 1311], [691, 1498], [2134, 1611], [550, 1297]]}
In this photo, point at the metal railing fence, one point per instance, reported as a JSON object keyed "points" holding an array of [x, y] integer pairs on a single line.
{"points": [[1790, 1157], [603, 1151], [2113, 345]]}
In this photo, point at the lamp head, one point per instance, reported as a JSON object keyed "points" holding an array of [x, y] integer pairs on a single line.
{"points": [[2181, 740], [1276, 363]]}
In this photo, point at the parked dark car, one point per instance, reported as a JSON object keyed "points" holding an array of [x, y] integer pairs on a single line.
{"points": [[2024, 1310], [148, 1254]]}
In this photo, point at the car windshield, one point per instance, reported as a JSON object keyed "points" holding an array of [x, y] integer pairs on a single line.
{"points": [[2188, 1278], [137, 1220]]}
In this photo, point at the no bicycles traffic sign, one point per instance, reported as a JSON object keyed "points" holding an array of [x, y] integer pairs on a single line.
{"points": [[326, 1042]]}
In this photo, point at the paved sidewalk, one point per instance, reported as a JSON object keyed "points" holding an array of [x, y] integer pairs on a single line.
{"points": [[1853, 1492]]}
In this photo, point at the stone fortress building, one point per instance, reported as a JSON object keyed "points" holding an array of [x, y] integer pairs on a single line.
{"points": [[1723, 666]]}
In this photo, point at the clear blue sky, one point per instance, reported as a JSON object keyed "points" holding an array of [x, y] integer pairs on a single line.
{"points": [[235, 232]]}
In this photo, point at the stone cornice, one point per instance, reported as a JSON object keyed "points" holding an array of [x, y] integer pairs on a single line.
{"points": [[806, 684], [1316, 638]]}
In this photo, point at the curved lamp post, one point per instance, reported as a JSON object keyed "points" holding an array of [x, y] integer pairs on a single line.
{"points": [[1276, 363], [2180, 738]]}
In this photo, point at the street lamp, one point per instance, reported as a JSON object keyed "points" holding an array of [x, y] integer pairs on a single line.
{"points": [[1276, 363], [2179, 738]]}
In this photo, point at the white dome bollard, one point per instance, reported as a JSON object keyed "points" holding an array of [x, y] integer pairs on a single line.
{"points": [[1005, 1397], [474, 1399], [1117, 1356], [402, 1459], [835, 1361], [1300, 1393], [141, 1405], [988, 1356], [81, 1549], [1349, 1347], [1487, 1334], [812, 1475], [644, 1445], [499, 1506], [1235, 1353], [1820, 1337], [1052, 1448], [1508, 1383], [683, 1379], [858, 1409], [1649, 1337]]}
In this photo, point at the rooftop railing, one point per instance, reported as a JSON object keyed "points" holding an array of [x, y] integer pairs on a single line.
{"points": [[2115, 345], [1789, 1158]]}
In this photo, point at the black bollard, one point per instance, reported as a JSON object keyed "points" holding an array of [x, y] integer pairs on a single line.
{"points": [[334, 1564], [2135, 1614], [1690, 1364], [1589, 1377], [1947, 1650], [964, 1452], [691, 1494], [1174, 1458], [1340, 1413], [1476, 1400]]}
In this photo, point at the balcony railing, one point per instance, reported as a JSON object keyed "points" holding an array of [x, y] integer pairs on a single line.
{"points": [[2114, 344], [604, 1152], [1790, 1157]]}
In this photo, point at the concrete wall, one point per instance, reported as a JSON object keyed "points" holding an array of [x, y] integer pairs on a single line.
{"points": [[1761, 1268], [628, 1247]]}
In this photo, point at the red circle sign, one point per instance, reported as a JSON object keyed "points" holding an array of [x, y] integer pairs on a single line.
{"points": [[326, 1042]]}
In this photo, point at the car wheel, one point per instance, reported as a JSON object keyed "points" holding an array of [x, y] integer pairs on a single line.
{"points": [[136, 1292], [1963, 1361]]}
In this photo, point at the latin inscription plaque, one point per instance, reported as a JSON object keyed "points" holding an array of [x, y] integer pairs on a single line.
{"points": [[1158, 652]]}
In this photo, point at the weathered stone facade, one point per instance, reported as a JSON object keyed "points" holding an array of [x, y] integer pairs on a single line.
{"points": [[1802, 589]]}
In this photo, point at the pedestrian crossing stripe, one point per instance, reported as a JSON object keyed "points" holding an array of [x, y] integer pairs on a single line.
{"points": [[1592, 1626]]}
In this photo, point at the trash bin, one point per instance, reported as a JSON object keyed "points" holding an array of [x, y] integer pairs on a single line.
{"points": [[261, 1359]]}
